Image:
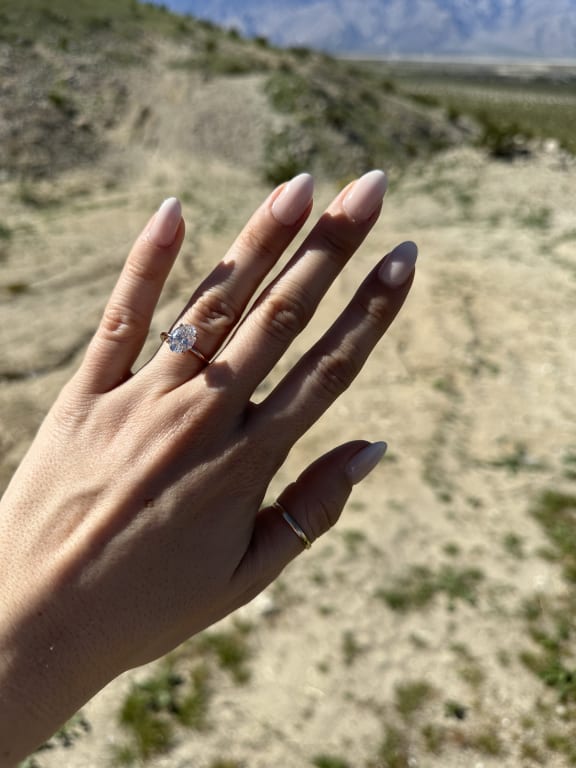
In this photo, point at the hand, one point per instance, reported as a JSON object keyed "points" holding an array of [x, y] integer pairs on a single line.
{"points": [[134, 521]]}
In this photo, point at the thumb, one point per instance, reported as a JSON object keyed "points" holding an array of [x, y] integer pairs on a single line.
{"points": [[313, 505]]}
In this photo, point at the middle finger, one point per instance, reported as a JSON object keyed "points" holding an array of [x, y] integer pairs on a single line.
{"points": [[287, 305]]}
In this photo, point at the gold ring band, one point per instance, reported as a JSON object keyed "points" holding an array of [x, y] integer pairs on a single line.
{"points": [[200, 355], [294, 525]]}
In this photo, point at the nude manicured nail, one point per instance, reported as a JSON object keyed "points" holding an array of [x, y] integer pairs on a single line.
{"points": [[398, 265], [364, 462], [294, 199], [166, 222], [365, 196]]}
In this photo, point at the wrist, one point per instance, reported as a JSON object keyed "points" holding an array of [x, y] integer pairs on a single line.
{"points": [[44, 677]]}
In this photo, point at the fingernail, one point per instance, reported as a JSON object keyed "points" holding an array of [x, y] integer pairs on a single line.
{"points": [[166, 222], [398, 265], [364, 462], [365, 196], [293, 200]]}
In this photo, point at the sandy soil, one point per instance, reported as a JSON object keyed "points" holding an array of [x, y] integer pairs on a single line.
{"points": [[476, 379]]}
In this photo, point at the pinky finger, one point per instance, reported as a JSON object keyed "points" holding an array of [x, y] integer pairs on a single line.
{"points": [[126, 320], [313, 505]]}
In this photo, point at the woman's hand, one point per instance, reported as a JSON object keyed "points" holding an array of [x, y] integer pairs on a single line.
{"points": [[134, 521]]}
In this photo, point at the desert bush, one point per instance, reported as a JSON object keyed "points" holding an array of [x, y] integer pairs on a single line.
{"points": [[286, 153], [503, 140]]}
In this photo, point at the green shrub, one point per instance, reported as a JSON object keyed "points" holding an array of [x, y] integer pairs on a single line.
{"points": [[420, 585]]}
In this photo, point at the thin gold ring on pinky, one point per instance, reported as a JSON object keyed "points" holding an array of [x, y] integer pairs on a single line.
{"points": [[294, 525], [183, 339]]}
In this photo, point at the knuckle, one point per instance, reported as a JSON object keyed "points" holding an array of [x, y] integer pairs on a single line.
{"points": [[335, 372], [286, 314], [71, 410], [376, 307], [337, 246], [255, 243], [320, 516], [122, 324], [141, 270], [215, 311]]}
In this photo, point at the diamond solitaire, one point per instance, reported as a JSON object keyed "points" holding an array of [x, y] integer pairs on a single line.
{"points": [[181, 339]]}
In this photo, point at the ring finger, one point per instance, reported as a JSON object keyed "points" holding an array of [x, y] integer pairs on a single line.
{"points": [[217, 305]]}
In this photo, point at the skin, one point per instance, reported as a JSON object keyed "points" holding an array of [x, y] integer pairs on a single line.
{"points": [[135, 519]]}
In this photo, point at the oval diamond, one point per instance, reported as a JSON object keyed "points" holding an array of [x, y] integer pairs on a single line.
{"points": [[182, 339]]}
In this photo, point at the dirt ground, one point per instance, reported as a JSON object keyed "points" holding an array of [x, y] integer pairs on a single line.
{"points": [[473, 388]]}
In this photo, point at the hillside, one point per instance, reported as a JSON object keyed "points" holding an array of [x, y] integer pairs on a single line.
{"points": [[71, 92]]}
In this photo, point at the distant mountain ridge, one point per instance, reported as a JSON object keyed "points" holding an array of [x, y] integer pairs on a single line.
{"points": [[500, 28]]}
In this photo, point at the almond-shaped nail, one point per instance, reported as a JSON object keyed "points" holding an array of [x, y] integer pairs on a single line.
{"points": [[166, 222], [363, 462], [398, 265], [294, 199], [365, 196]]}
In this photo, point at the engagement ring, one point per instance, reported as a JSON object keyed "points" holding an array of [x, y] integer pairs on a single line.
{"points": [[183, 339]]}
